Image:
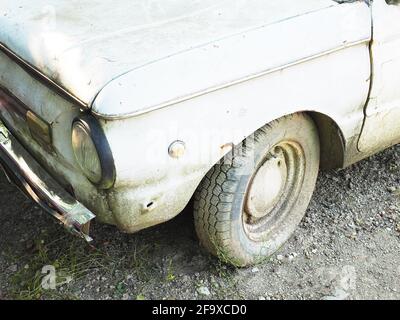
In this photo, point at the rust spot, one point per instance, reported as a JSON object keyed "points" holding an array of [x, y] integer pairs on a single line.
{"points": [[227, 147]]}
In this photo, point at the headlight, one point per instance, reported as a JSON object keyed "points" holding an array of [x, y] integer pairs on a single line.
{"points": [[92, 152], [86, 153]]}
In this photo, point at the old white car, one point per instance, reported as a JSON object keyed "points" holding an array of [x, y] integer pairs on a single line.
{"points": [[125, 110]]}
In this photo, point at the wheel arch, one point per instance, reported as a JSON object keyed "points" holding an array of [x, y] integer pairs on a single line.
{"points": [[331, 137], [332, 141]]}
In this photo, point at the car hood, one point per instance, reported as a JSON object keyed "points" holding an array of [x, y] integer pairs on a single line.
{"points": [[85, 45]]}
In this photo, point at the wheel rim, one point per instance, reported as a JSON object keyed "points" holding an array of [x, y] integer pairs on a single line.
{"points": [[273, 190]]}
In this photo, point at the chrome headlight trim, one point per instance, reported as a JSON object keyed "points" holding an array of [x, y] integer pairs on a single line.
{"points": [[96, 133]]}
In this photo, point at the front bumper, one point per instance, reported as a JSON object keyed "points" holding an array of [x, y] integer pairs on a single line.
{"points": [[30, 177]]}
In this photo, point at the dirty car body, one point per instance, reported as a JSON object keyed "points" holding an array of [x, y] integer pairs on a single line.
{"points": [[163, 90]]}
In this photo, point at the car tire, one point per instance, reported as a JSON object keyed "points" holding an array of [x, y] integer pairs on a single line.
{"points": [[250, 203]]}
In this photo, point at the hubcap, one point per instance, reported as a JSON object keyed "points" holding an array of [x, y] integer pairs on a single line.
{"points": [[267, 186], [273, 189]]}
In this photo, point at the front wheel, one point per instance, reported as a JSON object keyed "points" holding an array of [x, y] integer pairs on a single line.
{"points": [[249, 205]]}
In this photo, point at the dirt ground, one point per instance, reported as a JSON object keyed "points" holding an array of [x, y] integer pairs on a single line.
{"points": [[347, 247]]}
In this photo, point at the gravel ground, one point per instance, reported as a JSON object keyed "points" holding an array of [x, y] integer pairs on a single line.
{"points": [[347, 247]]}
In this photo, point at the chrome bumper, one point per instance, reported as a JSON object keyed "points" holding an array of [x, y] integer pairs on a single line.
{"points": [[23, 170]]}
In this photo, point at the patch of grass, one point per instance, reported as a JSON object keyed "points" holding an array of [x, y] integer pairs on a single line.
{"points": [[170, 272], [68, 257], [140, 297], [138, 259], [120, 289]]}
